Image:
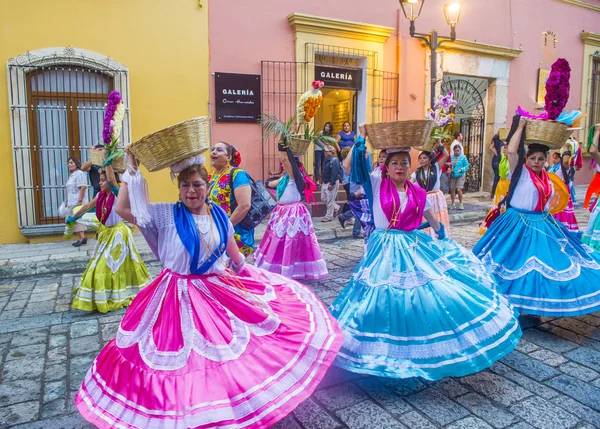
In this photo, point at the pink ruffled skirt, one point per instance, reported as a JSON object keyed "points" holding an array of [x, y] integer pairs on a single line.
{"points": [[439, 207], [213, 351], [567, 217], [289, 246]]}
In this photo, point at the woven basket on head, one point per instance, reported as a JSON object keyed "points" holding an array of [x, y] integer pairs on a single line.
{"points": [[431, 145], [550, 133], [299, 146], [96, 157], [503, 133], [389, 135], [170, 145]]}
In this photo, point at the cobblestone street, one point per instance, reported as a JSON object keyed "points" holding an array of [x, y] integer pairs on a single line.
{"points": [[551, 381]]}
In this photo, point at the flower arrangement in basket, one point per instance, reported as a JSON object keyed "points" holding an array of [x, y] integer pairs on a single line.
{"points": [[553, 127], [295, 137], [297, 133], [111, 133], [443, 116]]}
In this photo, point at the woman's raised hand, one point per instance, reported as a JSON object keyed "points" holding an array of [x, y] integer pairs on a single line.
{"points": [[362, 130]]}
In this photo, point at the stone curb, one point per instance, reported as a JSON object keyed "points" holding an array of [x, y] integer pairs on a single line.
{"points": [[79, 263]]}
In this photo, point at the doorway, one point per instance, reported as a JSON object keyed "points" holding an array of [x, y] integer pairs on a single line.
{"points": [[338, 106]]}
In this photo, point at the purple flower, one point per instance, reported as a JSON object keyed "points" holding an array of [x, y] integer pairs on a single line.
{"points": [[114, 98], [557, 88]]}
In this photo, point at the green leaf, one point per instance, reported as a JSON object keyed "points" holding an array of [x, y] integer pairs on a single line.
{"points": [[119, 153]]}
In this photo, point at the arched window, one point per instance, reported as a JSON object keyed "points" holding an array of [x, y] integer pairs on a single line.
{"points": [[57, 103]]}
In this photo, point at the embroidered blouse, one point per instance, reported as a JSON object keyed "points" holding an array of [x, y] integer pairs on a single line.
{"points": [[161, 235], [525, 196], [290, 194], [76, 180]]}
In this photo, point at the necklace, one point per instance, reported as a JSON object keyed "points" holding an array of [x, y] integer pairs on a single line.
{"points": [[422, 179], [222, 171], [209, 243]]}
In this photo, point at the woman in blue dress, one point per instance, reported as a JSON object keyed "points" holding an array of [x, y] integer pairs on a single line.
{"points": [[416, 306], [346, 137], [540, 266]]}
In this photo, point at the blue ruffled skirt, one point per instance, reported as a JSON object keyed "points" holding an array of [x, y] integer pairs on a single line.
{"points": [[416, 307], [540, 266]]}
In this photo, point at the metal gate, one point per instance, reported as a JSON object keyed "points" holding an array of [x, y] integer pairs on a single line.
{"points": [[57, 112], [282, 84], [284, 81], [594, 95], [470, 103], [385, 96], [472, 131]]}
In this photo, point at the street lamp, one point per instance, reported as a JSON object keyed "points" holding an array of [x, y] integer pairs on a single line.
{"points": [[412, 10]]}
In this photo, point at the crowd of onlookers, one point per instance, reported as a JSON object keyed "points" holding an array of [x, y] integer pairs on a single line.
{"points": [[329, 174]]}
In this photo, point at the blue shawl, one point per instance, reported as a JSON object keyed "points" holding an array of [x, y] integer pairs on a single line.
{"points": [[360, 170], [189, 236]]}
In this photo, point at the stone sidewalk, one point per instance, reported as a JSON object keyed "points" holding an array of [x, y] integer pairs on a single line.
{"points": [[17, 260], [551, 381]]}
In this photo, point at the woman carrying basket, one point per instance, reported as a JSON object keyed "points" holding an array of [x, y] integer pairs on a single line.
{"points": [[289, 246], [415, 306], [205, 345], [539, 265], [116, 272]]}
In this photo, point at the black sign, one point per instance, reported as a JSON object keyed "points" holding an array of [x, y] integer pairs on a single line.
{"points": [[237, 97], [336, 77]]}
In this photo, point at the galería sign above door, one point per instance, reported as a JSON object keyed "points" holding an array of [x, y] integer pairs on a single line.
{"points": [[338, 77], [237, 97]]}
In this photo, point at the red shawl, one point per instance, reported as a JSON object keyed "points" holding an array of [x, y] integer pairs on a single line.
{"points": [[104, 206], [544, 187]]}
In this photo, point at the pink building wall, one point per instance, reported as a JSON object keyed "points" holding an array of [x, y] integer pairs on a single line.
{"points": [[244, 33]]}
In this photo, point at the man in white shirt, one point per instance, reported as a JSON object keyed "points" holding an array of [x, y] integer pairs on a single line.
{"points": [[458, 138]]}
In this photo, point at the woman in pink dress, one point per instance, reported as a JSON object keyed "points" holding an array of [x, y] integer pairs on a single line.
{"points": [[289, 246], [206, 346]]}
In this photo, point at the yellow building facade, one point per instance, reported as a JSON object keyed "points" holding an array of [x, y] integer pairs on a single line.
{"points": [[61, 60]]}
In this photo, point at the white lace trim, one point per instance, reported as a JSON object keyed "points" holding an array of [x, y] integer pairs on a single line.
{"points": [[284, 224], [455, 345], [192, 338], [162, 214], [403, 280], [304, 366], [297, 270], [497, 300], [536, 264], [113, 295], [559, 304], [383, 360]]}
